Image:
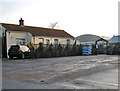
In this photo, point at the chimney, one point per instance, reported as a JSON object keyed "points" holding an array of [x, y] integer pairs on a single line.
{"points": [[21, 22]]}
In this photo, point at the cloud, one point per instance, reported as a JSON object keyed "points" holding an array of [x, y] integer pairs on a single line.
{"points": [[75, 16]]}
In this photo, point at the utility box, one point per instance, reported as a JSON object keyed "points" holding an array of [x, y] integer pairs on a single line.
{"points": [[86, 49]]}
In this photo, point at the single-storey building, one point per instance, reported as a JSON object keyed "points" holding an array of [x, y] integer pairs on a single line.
{"points": [[22, 35], [114, 40], [91, 39], [101, 42], [114, 44]]}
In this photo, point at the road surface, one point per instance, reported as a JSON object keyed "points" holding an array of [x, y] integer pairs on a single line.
{"points": [[76, 72]]}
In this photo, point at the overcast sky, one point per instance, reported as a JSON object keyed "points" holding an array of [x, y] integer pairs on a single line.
{"points": [[77, 17]]}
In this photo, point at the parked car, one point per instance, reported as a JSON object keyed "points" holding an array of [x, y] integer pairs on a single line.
{"points": [[20, 51]]}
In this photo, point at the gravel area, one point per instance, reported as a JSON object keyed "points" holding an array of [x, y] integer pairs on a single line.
{"points": [[51, 71]]}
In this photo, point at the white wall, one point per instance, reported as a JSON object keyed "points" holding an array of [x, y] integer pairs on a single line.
{"points": [[12, 35], [0, 44], [2, 30], [61, 40]]}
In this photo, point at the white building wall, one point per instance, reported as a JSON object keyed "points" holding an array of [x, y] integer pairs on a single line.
{"points": [[0, 40], [61, 40], [11, 37], [0, 45], [2, 34]]}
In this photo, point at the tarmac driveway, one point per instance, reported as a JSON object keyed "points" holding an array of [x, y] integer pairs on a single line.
{"points": [[61, 71]]}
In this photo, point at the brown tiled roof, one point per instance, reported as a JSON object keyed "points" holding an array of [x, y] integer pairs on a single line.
{"points": [[38, 31]]}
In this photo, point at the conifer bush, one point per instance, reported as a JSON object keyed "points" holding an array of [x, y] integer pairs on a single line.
{"points": [[56, 51], [94, 50]]}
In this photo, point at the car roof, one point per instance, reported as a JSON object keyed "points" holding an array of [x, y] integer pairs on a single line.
{"points": [[19, 45], [23, 45]]}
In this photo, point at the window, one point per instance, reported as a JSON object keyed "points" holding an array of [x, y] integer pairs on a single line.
{"points": [[20, 41], [24, 48], [15, 47], [68, 41], [47, 41], [56, 42], [34, 40], [41, 40]]}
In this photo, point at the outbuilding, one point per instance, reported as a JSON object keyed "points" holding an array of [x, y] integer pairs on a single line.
{"points": [[114, 45]]}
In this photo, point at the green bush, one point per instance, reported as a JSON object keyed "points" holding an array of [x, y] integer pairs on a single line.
{"points": [[79, 51], [40, 51], [67, 50], [49, 51], [56, 51], [94, 50], [109, 50], [113, 50], [60, 50], [74, 49]]}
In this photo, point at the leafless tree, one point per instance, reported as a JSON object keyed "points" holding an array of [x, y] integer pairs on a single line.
{"points": [[53, 25]]}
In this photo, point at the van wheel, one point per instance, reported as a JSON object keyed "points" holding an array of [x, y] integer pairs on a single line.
{"points": [[23, 56]]}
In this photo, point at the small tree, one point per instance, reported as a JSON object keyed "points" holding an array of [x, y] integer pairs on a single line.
{"points": [[80, 49], [74, 49], [60, 50], [53, 25], [49, 51], [94, 50], [109, 50], [40, 51], [115, 49], [67, 50]]}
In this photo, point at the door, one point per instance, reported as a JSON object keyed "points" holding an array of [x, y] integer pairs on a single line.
{"points": [[55, 42]]}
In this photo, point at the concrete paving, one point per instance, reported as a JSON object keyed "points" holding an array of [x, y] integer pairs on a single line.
{"points": [[77, 72], [103, 80]]}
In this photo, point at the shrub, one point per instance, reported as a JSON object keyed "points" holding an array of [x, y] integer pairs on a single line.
{"points": [[109, 50], [74, 49], [115, 49], [40, 50], [67, 50], [49, 50], [94, 50], [79, 51], [60, 50]]}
